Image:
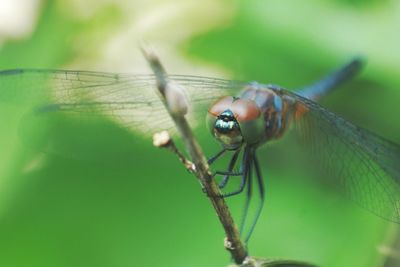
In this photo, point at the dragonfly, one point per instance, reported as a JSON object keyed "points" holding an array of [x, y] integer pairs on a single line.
{"points": [[241, 116]]}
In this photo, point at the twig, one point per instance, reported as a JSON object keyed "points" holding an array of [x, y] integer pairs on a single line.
{"points": [[163, 140], [176, 104]]}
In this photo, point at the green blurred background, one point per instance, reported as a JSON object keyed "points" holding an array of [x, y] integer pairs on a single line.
{"points": [[122, 202]]}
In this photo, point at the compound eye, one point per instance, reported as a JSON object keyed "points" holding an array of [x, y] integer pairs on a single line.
{"points": [[221, 105], [245, 110]]}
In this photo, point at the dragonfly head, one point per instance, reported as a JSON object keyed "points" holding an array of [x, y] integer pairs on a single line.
{"points": [[233, 121], [227, 130]]}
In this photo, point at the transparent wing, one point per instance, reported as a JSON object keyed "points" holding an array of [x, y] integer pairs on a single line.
{"points": [[365, 165], [130, 100]]}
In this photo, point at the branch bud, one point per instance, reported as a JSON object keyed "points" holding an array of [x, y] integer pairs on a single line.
{"points": [[176, 99]]}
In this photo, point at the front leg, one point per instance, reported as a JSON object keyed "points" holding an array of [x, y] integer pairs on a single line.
{"points": [[244, 170], [231, 165], [217, 156]]}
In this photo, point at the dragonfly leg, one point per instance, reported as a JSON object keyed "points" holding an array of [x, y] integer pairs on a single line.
{"points": [[232, 163], [216, 156], [228, 173], [248, 193], [260, 184], [244, 170]]}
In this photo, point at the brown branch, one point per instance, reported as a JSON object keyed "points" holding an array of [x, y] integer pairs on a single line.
{"points": [[163, 140], [175, 102]]}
